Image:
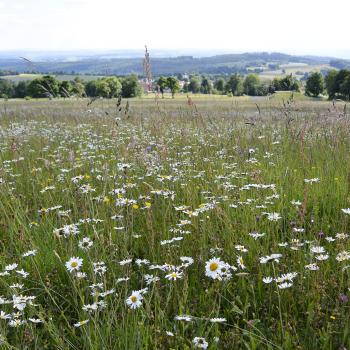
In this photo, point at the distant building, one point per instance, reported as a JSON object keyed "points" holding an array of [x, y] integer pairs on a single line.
{"points": [[145, 85]]}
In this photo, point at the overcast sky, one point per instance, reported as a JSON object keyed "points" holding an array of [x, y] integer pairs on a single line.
{"points": [[294, 26]]}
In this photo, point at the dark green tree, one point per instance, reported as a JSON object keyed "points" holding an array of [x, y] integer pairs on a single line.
{"points": [[131, 86], [330, 82], [206, 86], [162, 84], [314, 84], [194, 85], [7, 89], [234, 85], [339, 80], [47, 86], [103, 89], [345, 87], [219, 85], [21, 89], [91, 88], [50, 85], [78, 88], [35, 88], [66, 88], [287, 83], [251, 84], [185, 87], [115, 86], [173, 85]]}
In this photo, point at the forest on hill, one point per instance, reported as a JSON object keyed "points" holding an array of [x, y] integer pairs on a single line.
{"points": [[219, 64]]}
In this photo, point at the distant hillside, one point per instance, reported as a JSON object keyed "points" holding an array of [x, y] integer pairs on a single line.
{"points": [[219, 64]]}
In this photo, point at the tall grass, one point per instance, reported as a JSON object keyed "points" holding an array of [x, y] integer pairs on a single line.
{"points": [[166, 170]]}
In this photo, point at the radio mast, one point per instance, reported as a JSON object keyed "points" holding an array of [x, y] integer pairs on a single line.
{"points": [[147, 71]]}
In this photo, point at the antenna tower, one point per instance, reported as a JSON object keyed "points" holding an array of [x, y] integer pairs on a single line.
{"points": [[147, 71]]}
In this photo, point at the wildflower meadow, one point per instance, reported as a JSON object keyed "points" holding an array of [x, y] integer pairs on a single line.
{"points": [[158, 224]]}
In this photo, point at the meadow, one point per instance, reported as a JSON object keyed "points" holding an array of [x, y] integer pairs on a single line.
{"points": [[297, 69], [158, 224]]}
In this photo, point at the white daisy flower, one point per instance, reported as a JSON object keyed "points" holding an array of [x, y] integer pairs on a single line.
{"points": [[218, 320], [285, 285], [134, 301], [200, 343], [317, 250], [85, 244], [322, 257], [273, 216], [186, 318], [11, 267], [312, 267], [35, 320], [212, 268], [267, 280], [174, 275], [29, 253], [74, 264]]}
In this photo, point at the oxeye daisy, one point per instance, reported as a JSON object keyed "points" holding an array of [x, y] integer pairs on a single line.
{"points": [[312, 267], [174, 275], [343, 256], [35, 320], [322, 257], [11, 267], [285, 285], [186, 261], [273, 216], [134, 301], [317, 250], [186, 318], [217, 320], [200, 343], [267, 280], [29, 253], [74, 264], [213, 268], [85, 244]]}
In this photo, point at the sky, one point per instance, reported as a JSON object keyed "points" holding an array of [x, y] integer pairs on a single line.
{"points": [[317, 27]]}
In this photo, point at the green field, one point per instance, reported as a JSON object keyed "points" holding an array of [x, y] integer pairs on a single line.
{"points": [[297, 69], [162, 225]]}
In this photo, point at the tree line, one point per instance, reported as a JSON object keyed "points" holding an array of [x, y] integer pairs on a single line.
{"points": [[49, 86], [235, 85], [335, 83]]}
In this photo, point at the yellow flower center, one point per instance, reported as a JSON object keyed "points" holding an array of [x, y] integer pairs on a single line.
{"points": [[213, 266], [74, 264], [133, 299]]}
